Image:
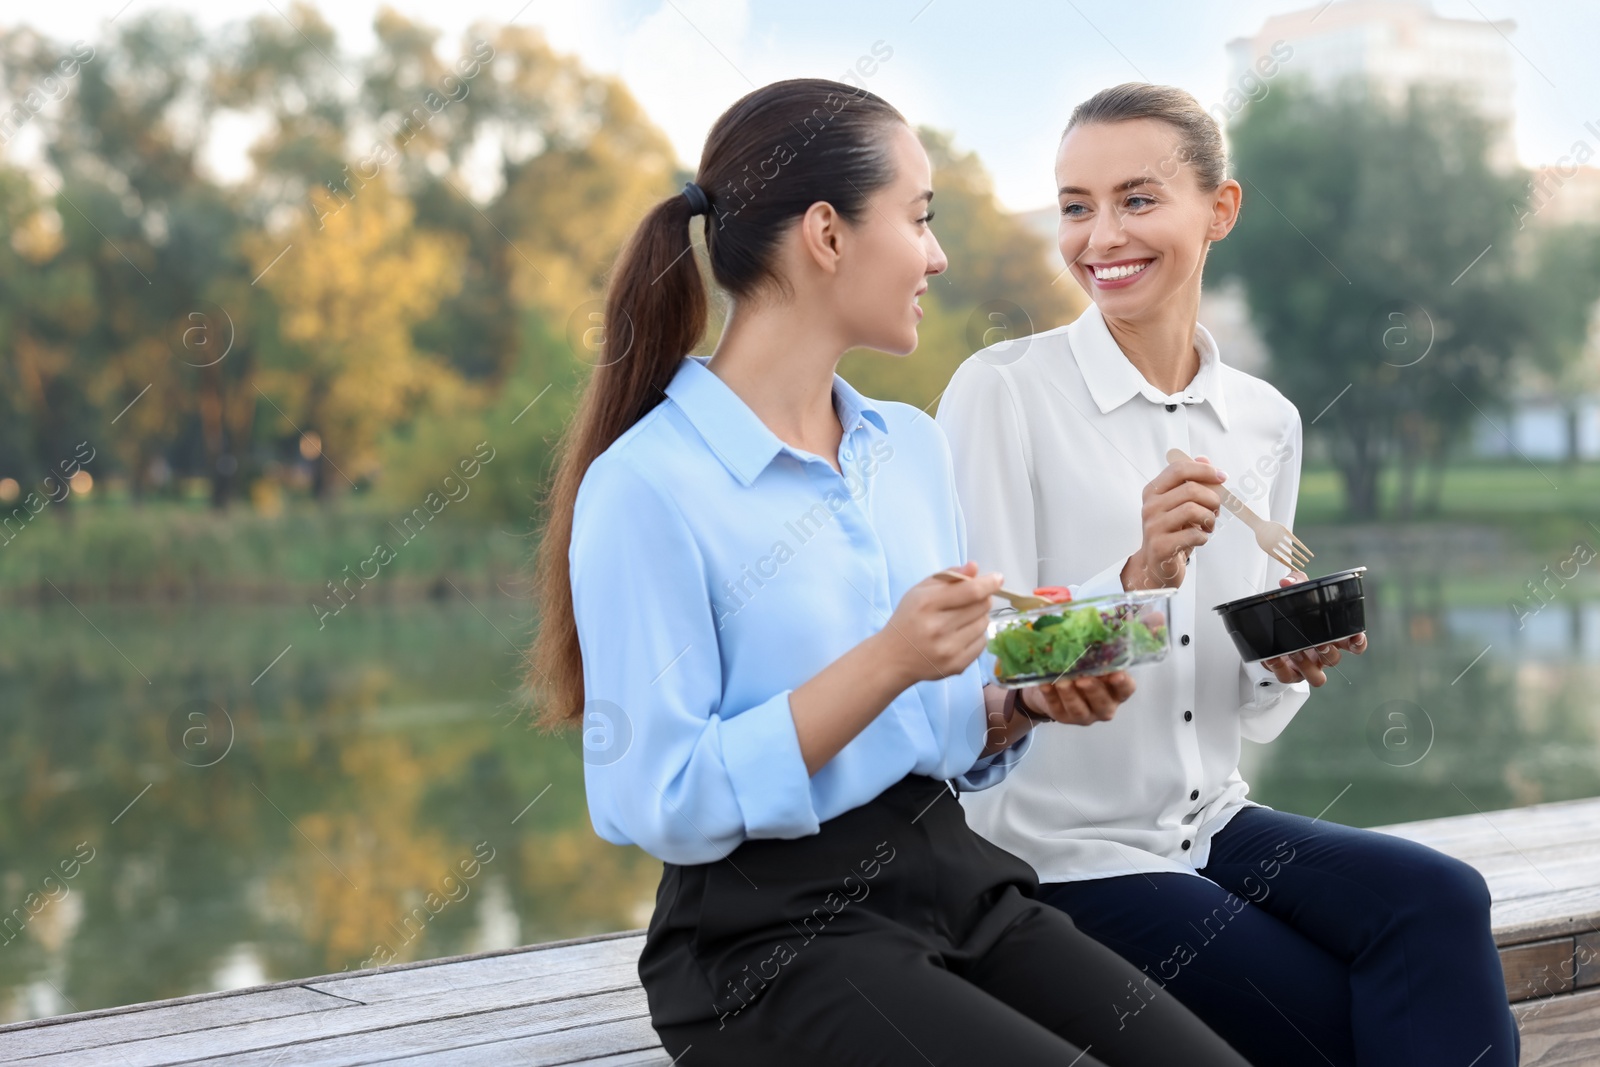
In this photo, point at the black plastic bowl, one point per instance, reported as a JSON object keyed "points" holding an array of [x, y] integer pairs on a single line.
{"points": [[1296, 617]]}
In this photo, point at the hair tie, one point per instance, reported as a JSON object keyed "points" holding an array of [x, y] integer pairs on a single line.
{"points": [[699, 203]]}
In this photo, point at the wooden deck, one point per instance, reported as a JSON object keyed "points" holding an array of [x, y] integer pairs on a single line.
{"points": [[574, 1002]]}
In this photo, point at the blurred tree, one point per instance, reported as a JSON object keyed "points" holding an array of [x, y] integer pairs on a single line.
{"points": [[357, 283], [46, 307], [521, 425], [289, 66], [581, 163], [1375, 249], [1562, 304], [150, 241], [578, 182], [575, 162], [436, 118]]}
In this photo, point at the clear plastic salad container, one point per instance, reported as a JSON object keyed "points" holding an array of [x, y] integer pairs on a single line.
{"points": [[1073, 639]]}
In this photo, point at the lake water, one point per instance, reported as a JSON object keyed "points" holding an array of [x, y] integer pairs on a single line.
{"points": [[204, 798]]}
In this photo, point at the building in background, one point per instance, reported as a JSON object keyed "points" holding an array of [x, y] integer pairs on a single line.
{"points": [[1392, 45]]}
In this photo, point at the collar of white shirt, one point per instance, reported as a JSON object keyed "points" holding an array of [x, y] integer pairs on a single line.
{"points": [[1113, 380]]}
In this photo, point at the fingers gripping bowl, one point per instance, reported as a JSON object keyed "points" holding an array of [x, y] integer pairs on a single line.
{"points": [[1079, 638], [1296, 617]]}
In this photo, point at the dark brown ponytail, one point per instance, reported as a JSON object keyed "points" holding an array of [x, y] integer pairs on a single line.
{"points": [[768, 158]]}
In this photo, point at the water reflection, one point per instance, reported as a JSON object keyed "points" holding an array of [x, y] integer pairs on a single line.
{"points": [[366, 795], [1556, 633], [376, 802], [1456, 708]]}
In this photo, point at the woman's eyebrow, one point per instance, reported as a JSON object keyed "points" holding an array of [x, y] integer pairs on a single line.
{"points": [[926, 194], [1131, 183]]}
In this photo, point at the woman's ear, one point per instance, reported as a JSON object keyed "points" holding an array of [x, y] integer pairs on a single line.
{"points": [[821, 237], [1224, 209]]}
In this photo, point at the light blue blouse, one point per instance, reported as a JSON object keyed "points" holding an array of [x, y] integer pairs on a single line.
{"points": [[715, 569]]}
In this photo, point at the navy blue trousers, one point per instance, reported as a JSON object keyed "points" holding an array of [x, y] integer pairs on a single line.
{"points": [[1306, 942]]}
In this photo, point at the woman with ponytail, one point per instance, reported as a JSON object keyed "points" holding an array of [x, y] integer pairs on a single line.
{"points": [[779, 698]]}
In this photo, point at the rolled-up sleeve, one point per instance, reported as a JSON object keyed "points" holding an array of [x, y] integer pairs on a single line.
{"points": [[670, 769], [991, 768]]}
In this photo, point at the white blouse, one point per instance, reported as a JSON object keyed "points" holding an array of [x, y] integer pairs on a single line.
{"points": [[1054, 438]]}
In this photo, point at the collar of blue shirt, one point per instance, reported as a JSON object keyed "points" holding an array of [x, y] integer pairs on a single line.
{"points": [[1113, 380], [735, 433]]}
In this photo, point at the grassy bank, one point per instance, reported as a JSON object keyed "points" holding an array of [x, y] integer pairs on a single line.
{"points": [[172, 551], [1538, 506], [110, 549]]}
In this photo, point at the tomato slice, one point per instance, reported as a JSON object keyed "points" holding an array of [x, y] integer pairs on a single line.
{"points": [[1056, 594]]}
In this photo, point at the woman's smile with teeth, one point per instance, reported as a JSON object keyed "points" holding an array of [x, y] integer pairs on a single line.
{"points": [[1126, 270]]}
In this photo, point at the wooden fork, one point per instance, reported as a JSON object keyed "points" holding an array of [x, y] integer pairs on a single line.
{"points": [[1275, 538], [1020, 601]]}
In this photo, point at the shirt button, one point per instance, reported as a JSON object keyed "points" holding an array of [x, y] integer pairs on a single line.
{"points": [[1186, 846], [1187, 716], [847, 453], [1184, 639], [1172, 407], [1194, 794]]}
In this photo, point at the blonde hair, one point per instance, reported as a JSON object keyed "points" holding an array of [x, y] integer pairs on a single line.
{"points": [[1202, 140]]}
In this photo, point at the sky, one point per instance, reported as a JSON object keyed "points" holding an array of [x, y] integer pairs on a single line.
{"points": [[1001, 75]]}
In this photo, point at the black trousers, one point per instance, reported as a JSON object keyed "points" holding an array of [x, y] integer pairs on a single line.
{"points": [[895, 936]]}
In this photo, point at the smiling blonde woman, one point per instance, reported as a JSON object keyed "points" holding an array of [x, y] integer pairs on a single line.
{"points": [[1298, 940]]}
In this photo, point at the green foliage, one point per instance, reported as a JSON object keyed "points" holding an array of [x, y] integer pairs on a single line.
{"points": [[269, 335], [1566, 284], [522, 425], [1378, 254]]}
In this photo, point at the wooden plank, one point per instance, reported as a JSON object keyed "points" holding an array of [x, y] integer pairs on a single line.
{"points": [[1587, 955], [653, 1058], [527, 966], [1568, 912], [656, 1057], [184, 1018], [1527, 872], [295, 983], [555, 998], [1494, 833], [629, 1042], [1560, 1031], [1538, 969], [574, 1026], [1537, 825]]}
